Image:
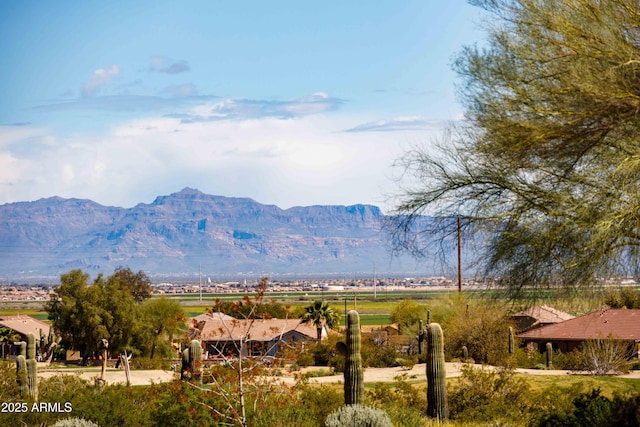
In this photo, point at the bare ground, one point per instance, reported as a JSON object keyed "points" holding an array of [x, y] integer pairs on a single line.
{"points": [[371, 375], [114, 376]]}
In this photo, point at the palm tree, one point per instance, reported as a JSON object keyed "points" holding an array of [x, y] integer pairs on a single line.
{"points": [[320, 314]]}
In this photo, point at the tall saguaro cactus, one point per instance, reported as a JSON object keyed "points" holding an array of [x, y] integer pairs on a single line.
{"points": [[192, 362], [353, 374], [27, 368], [512, 340], [195, 359], [437, 406]]}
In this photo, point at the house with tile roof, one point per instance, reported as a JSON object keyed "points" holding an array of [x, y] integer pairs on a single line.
{"points": [[224, 338], [617, 324], [23, 325], [537, 316]]}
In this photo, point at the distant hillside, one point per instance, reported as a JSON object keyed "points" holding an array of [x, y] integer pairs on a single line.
{"points": [[180, 233]]}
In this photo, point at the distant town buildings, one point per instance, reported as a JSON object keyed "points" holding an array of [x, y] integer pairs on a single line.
{"points": [[41, 292]]}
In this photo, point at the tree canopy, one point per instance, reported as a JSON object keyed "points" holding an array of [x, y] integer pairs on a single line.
{"points": [[546, 162], [85, 313], [406, 314], [138, 284]]}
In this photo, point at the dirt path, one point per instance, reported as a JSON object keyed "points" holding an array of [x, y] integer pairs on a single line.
{"points": [[371, 375], [114, 376]]}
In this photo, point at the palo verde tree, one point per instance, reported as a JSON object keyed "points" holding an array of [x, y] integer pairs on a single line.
{"points": [[161, 319], [547, 159]]}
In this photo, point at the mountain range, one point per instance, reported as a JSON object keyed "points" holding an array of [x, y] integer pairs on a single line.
{"points": [[186, 232]]}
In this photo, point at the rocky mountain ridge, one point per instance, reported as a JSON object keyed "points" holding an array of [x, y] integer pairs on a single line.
{"points": [[188, 231]]}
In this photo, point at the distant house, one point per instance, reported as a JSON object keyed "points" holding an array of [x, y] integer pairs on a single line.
{"points": [[211, 316], [622, 325], [537, 316], [224, 337], [389, 335], [23, 325]]}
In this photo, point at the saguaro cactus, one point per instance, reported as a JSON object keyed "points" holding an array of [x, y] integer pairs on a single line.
{"points": [[192, 362], [549, 351], [27, 368], [353, 374], [21, 375], [421, 337], [437, 406], [195, 360], [512, 340]]}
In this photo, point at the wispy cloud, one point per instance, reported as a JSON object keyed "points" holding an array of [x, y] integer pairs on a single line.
{"points": [[100, 78], [162, 64], [126, 103], [242, 109], [410, 123]]}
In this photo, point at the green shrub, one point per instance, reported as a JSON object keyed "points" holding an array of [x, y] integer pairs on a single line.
{"points": [[589, 409], [146, 363], [289, 416], [486, 395], [8, 385], [358, 416], [479, 324], [405, 403], [316, 373], [305, 360], [378, 356], [322, 400]]}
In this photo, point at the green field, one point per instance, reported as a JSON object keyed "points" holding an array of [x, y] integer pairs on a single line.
{"points": [[39, 314]]}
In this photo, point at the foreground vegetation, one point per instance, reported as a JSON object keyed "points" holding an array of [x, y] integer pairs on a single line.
{"points": [[481, 397]]}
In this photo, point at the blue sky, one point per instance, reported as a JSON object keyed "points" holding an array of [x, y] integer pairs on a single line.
{"points": [[289, 103]]}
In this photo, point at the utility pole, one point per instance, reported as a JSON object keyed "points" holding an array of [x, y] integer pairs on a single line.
{"points": [[200, 279], [375, 283], [459, 260]]}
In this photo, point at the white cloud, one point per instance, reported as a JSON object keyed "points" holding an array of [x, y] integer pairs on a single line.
{"points": [[305, 161], [411, 123], [99, 79], [244, 109]]}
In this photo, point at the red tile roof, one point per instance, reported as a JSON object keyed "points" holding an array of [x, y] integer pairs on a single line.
{"points": [[621, 324], [24, 324], [544, 314], [259, 329]]}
